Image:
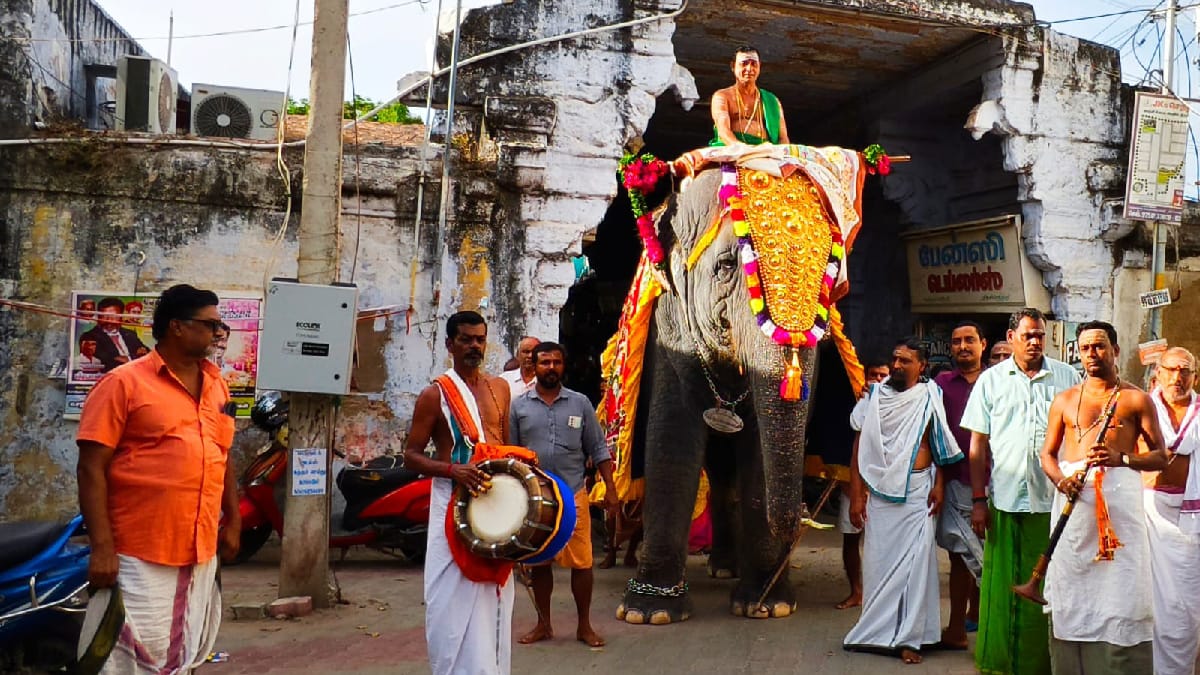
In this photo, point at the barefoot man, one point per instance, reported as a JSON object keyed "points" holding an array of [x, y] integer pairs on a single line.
{"points": [[745, 113], [1173, 518], [902, 433], [468, 624], [1097, 586], [560, 425]]}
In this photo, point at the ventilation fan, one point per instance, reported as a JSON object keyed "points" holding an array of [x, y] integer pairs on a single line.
{"points": [[223, 115], [232, 112]]}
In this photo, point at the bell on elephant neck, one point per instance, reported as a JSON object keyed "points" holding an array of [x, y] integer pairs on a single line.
{"points": [[793, 387]]}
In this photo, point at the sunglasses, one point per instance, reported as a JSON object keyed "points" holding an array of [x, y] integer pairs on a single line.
{"points": [[214, 325]]}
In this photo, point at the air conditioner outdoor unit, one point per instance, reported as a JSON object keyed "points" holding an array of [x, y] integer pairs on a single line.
{"points": [[231, 112], [147, 90]]}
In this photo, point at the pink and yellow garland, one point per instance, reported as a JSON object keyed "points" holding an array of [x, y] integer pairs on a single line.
{"points": [[639, 176]]}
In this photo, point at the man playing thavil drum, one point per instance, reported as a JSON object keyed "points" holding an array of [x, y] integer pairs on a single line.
{"points": [[468, 624], [560, 425], [1097, 587]]}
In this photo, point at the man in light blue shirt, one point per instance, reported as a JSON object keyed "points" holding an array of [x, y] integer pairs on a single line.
{"points": [[1007, 416]]}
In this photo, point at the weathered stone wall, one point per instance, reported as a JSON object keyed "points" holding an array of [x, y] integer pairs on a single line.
{"points": [[1064, 133], [44, 47], [80, 215], [556, 118]]}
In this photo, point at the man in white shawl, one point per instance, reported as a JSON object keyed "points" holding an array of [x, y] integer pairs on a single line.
{"points": [[902, 434], [468, 624], [1174, 535]]}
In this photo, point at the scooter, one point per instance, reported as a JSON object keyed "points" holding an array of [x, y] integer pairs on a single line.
{"points": [[43, 594], [387, 505]]}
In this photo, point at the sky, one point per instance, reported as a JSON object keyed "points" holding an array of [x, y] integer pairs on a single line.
{"points": [[391, 38]]}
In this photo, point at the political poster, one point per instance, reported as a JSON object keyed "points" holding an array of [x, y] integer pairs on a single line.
{"points": [[109, 329]]}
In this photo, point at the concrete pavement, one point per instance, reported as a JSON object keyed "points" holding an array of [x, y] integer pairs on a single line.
{"points": [[381, 628]]}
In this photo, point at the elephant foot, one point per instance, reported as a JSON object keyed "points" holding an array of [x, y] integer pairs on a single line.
{"points": [[655, 608], [722, 567], [779, 603]]}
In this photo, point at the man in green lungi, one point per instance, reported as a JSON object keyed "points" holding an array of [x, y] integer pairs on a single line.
{"points": [[1007, 416], [746, 113]]}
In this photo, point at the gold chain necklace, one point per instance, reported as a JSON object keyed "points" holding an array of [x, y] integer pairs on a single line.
{"points": [[1079, 435], [754, 110]]}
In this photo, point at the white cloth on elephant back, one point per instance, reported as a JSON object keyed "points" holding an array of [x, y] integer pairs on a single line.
{"points": [[900, 575], [891, 425]]}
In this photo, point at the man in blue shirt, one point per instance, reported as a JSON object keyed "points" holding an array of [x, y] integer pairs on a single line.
{"points": [[560, 425]]}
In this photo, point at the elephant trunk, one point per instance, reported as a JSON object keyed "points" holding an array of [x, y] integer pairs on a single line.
{"points": [[781, 427]]}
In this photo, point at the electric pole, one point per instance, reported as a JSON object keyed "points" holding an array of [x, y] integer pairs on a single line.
{"points": [[1158, 260], [304, 565]]}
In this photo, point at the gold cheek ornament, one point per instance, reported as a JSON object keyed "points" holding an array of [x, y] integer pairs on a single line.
{"points": [[791, 252]]}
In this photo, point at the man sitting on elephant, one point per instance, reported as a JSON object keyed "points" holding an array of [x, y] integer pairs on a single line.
{"points": [[746, 113], [901, 610]]}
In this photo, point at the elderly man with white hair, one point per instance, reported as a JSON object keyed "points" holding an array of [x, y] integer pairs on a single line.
{"points": [[1173, 518]]}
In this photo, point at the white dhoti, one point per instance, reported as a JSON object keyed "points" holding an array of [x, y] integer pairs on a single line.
{"points": [[468, 625], [954, 531], [1175, 575], [1102, 601], [900, 577], [171, 618]]}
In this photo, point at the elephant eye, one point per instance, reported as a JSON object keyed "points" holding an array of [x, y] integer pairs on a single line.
{"points": [[726, 263]]}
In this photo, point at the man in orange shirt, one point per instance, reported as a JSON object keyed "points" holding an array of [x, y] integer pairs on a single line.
{"points": [[154, 438]]}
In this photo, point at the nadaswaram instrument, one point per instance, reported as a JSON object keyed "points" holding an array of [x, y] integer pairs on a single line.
{"points": [[1031, 590]]}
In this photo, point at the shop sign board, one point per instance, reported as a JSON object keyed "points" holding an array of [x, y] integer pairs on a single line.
{"points": [[1154, 183], [972, 267]]}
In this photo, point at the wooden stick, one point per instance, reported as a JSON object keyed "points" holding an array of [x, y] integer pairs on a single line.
{"points": [[795, 542], [900, 159]]}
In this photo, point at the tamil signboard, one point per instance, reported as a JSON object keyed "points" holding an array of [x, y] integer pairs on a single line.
{"points": [[1156, 298], [1154, 183], [978, 266]]}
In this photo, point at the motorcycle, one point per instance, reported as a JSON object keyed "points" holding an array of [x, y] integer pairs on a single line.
{"points": [[387, 505], [43, 594]]}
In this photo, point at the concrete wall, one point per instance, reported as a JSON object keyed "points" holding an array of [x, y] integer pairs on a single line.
{"points": [[79, 216], [44, 47]]}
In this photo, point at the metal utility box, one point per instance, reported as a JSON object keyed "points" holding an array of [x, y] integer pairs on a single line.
{"points": [[307, 342]]}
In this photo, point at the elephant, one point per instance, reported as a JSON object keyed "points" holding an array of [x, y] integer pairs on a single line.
{"points": [[704, 343]]}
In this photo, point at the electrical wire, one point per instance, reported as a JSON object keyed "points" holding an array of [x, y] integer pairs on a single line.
{"points": [[284, 173], [357, 163], [223, 33]]}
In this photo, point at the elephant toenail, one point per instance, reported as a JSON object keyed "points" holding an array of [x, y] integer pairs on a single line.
{"points": [[737, 609], [781, 610], [660, 618], [621, 612], [634, 616]]}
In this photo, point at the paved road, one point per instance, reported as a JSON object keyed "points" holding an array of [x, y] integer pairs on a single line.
{"points": [[381, 629]]}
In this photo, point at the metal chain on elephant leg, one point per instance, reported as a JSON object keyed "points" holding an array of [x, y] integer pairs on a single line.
{"points": [[641, 588], [795, 542]]}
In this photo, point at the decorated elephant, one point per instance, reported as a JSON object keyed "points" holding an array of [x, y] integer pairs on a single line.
{"points": [[711, 367]]}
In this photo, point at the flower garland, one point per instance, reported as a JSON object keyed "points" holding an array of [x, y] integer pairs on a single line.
{"points": [[877, 160], [639, 176], [732, 198]]}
